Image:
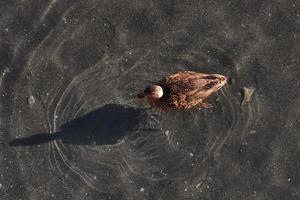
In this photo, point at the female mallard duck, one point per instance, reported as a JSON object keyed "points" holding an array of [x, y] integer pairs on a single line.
{"points": [[183, 90]]}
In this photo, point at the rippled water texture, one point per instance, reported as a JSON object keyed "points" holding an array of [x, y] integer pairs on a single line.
{"points": [[70, 128]]}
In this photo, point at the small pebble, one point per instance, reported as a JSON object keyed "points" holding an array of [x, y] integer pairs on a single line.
{"points": [[198, 185], [167, 133], [30, 101]]}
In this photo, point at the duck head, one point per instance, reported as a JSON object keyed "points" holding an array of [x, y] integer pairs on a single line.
{"points": [[152, 92]]}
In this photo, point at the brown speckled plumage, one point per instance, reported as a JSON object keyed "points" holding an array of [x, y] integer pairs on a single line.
{"points": [[184, 90]]}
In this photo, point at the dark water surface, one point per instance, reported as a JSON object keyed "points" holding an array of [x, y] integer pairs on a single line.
{"points": [[71, 130]]}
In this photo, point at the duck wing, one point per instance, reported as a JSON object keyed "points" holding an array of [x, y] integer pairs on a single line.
{"points": [[189, 84], [181, 76], [184, 89]]}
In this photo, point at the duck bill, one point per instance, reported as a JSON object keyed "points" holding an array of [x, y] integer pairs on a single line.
{"points": [[140, 96]]}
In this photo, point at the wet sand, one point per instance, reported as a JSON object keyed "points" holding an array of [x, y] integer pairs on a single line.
{"points": [[70, 128]]}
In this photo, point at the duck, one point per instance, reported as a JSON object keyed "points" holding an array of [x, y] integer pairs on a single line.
{"points": [[183, 90]]}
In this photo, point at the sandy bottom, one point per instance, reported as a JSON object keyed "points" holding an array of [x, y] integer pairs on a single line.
{"points": [[70, 128]]}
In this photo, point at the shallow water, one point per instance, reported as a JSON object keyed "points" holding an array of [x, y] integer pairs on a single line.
{"points": [[71, 129]]}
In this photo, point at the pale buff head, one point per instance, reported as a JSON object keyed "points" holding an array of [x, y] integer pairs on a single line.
{"points": [[153, 91]]}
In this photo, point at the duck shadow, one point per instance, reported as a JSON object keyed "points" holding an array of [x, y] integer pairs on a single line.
{"points": [[104, 126]]}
